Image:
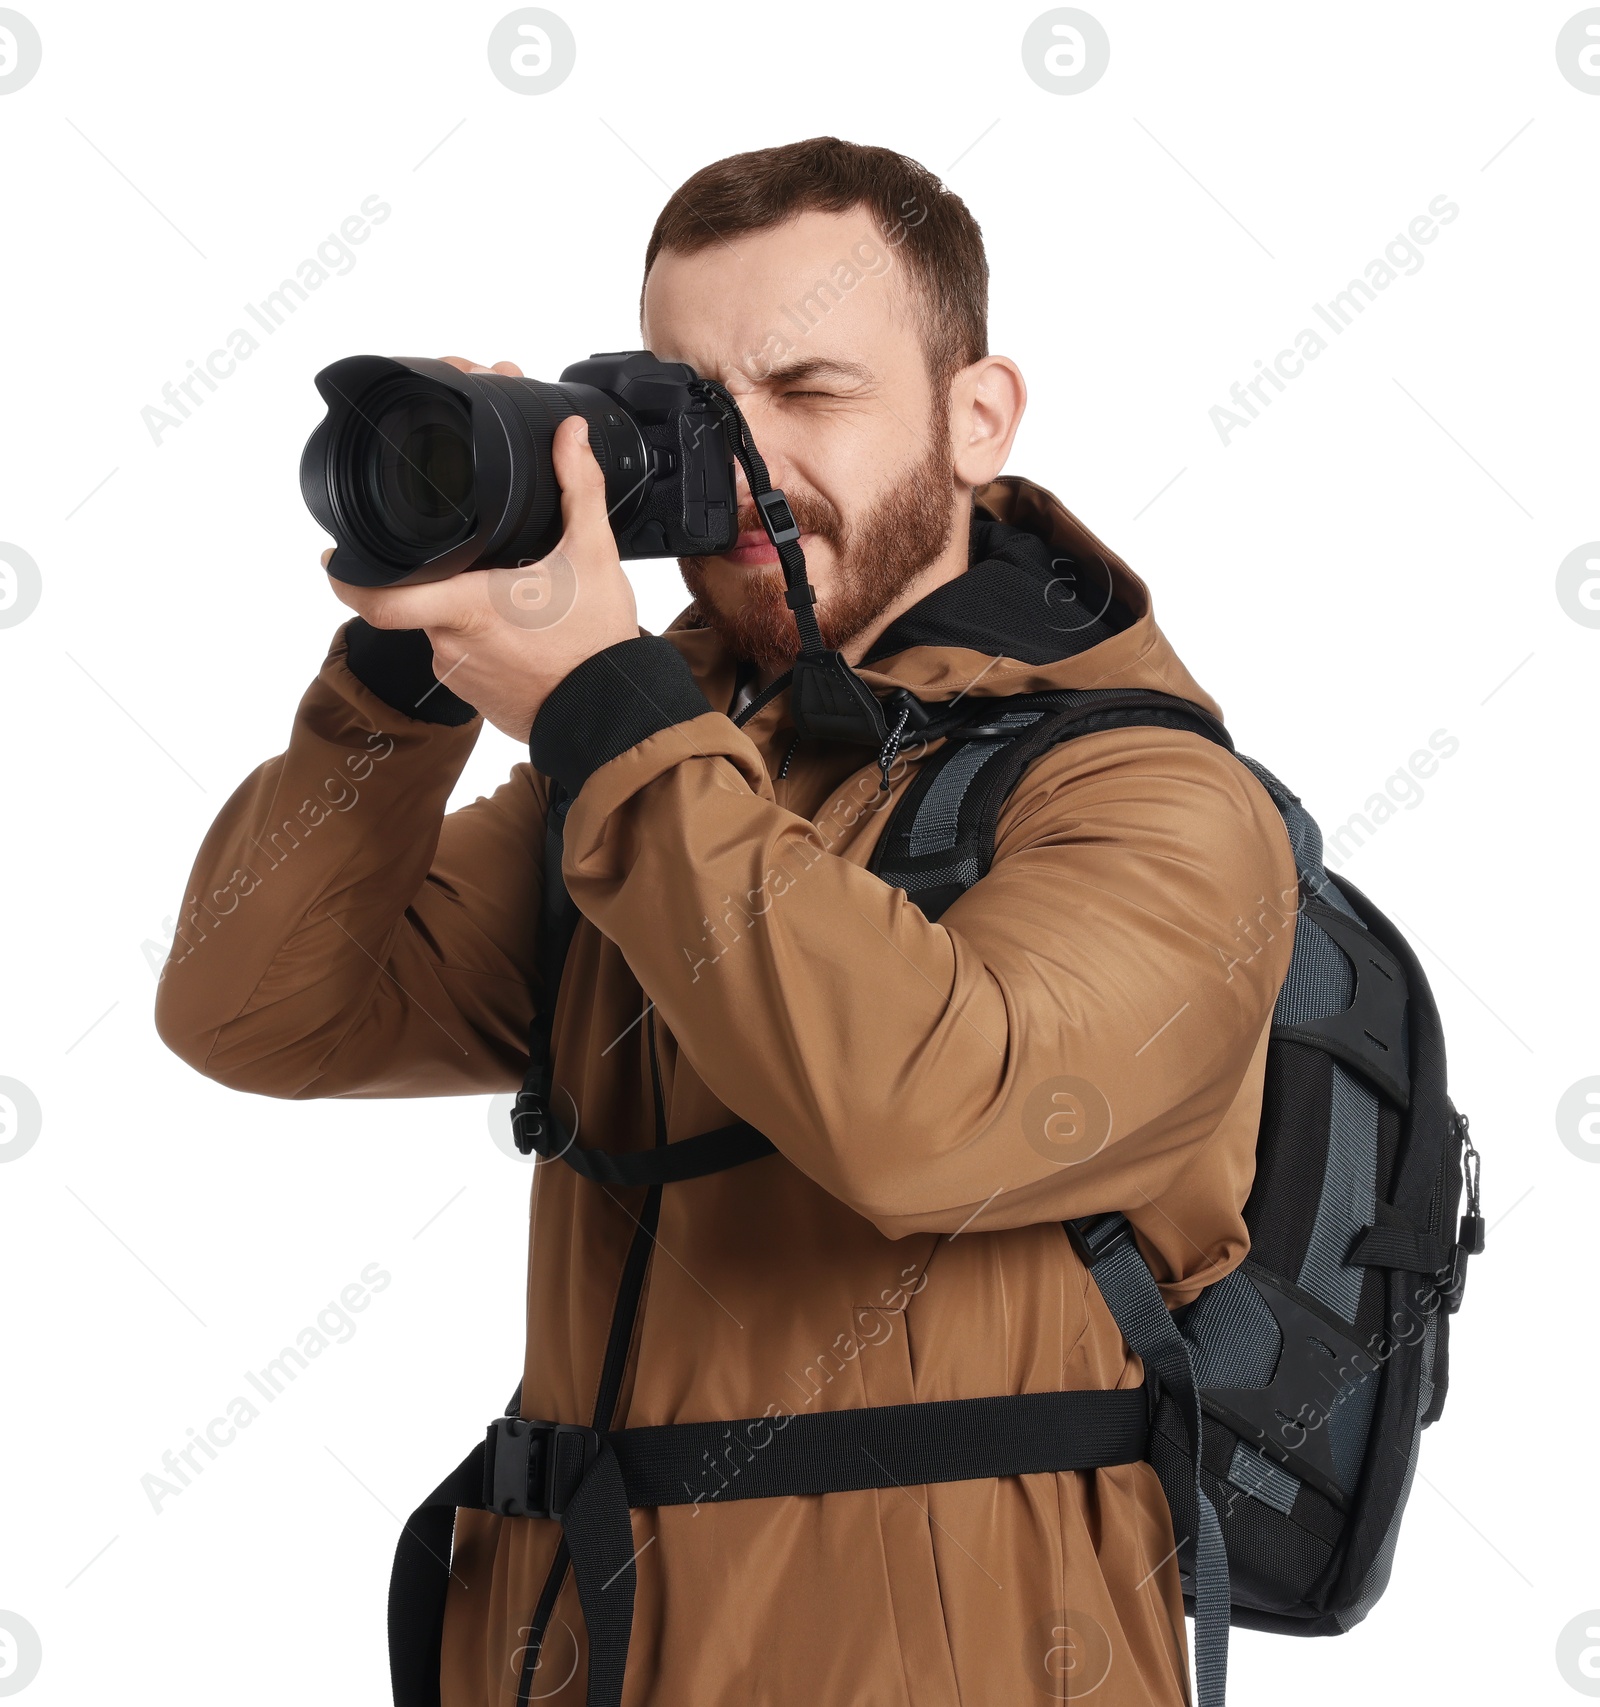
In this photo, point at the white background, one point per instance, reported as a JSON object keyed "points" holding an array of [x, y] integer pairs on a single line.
{"points": [[1372, 560]]}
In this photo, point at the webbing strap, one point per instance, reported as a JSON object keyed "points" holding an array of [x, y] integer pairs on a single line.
{"points": [[418, 1580], [767, 1457], [624, 1318], [1107, 1246], [1400, 1247], [558, 920], [688, 1158], [827, 699], [773, 509], [882, 1446], [939, 839]]}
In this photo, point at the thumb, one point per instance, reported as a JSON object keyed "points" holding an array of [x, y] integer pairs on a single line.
{"points": [[584, 519]]}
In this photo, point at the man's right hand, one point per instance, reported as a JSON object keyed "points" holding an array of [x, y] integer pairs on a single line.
{"points": [[578, 600]]}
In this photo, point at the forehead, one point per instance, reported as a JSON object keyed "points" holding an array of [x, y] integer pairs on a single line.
{"points": [[820, 285]]}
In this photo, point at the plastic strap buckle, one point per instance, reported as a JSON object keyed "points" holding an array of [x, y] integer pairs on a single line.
{"points": [[776, 517], [1094, 1237], [902, 699], [532, 1469], [530, 1117]]}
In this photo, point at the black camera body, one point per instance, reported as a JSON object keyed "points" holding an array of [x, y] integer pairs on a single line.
{"points": [[420, 471]]}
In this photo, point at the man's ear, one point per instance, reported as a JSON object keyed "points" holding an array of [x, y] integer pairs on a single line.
{"points": [[987, 399]]}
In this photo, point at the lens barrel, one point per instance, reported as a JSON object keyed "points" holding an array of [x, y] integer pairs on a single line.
{"points": [[420, 471]]}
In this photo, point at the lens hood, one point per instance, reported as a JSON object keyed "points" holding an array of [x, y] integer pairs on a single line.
{"points": [[420, 471]]}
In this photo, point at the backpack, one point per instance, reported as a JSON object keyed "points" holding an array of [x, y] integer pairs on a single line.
{"points": [[1282, 1409], [1319, 1360]]}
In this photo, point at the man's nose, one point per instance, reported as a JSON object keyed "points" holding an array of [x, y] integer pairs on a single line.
{"points": [[766, 430], [778, 475], [749, 520]]}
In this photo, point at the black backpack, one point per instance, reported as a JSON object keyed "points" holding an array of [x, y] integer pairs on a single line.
{"points": [[1282, 1408], [1319, 1360]]}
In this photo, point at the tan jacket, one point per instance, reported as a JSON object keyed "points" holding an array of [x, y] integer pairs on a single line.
{"points": [[905, 1242]]}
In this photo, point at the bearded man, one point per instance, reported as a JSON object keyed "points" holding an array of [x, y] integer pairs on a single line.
{"points": [[917, 1103]]}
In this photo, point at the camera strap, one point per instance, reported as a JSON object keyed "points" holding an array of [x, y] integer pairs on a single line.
{"points": [[827, 699]]}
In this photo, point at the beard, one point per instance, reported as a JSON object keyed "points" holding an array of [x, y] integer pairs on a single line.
{"points": [[876, 556]]}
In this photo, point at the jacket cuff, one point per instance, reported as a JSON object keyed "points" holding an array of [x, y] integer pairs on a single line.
{"points": [[610, 703], [397, 664]]}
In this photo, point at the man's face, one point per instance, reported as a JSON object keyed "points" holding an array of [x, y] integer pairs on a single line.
{"points": [[811, 325]]}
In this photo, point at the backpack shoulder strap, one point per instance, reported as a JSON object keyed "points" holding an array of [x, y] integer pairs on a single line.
{"points": [[558, 920], [938, 842], [940, 837], [1106, 1245]]}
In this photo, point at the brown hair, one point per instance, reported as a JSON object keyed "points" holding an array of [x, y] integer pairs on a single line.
{"points": [[938, 238]]}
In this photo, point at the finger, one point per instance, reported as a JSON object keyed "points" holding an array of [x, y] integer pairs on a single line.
{"points": [[451, 603], [509, 369], [465, 363], [583, 486], [327, 557]]}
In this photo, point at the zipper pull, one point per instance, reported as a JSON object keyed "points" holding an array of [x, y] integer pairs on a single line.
{"points": [[891, 746], [1471, 1235]]}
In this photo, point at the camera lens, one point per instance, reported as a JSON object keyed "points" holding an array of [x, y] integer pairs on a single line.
{"points": [[420, 470], [411, 471]]}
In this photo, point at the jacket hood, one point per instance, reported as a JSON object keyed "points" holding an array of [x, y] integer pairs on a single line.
{"points": [[1044, 604]]}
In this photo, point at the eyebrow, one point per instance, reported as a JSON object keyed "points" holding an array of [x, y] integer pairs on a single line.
{"points": [[817, 367]]}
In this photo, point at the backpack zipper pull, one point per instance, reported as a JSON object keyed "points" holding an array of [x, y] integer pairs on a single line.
{"points": [[1471, 1235]]}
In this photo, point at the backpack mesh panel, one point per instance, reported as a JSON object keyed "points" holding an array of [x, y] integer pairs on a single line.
{"points": [[1348, 1424], [1232, 1333], [1320, 981]]}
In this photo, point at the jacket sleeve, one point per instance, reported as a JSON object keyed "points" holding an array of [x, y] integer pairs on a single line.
{"points": [[1063, 1041], [341, 935]]}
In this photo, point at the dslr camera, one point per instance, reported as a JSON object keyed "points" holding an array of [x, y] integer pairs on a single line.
{"points": [[420, 471]]}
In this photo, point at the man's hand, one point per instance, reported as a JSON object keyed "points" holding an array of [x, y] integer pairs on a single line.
{"points": [[503, 638]]}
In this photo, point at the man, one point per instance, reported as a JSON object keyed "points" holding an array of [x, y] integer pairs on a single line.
{"points": [[903, 1244]]}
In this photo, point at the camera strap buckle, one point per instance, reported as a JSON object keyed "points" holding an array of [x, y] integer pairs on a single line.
{"points": [[776, 517]]}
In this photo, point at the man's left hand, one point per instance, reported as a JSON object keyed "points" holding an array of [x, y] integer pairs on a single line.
{"points": [[503, 638]]}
